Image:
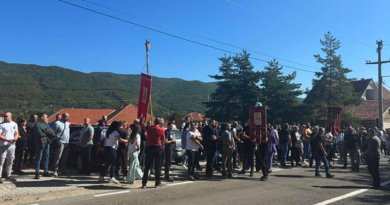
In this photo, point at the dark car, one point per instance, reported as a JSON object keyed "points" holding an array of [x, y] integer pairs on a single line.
{"points": [[97, 150]]}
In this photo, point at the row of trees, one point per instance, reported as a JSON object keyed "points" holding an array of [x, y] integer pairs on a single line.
{"points": [[237, 80]]}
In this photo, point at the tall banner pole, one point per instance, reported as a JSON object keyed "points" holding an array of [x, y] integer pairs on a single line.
{"points": [[147, 45]]}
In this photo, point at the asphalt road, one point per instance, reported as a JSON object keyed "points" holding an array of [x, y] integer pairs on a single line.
{"points": [[287, 186]]}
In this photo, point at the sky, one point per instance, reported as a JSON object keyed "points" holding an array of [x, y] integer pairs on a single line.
{"points": [[54, 33]]}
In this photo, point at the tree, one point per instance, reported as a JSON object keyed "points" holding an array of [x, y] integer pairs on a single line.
{"points": [[235, 91], [279, 93], [331, 86]]}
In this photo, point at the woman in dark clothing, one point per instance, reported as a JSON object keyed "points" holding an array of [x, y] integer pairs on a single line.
{"points": [[21, 144]]}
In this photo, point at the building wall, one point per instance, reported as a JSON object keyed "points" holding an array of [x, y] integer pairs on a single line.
{"points": [[1, 118], [371, 93], [386, 118]]}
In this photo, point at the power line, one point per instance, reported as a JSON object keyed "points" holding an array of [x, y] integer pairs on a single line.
{"points": [[203, 37], [178, 37], [353, 55], [344, 19], [257, 13], [323, 22]]}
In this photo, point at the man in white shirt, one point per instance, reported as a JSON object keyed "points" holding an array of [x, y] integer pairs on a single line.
{"points": [[8, 136], [62, 130]]}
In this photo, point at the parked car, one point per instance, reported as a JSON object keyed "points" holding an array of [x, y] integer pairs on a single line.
{"points": [[97, 150], [178, 151]]}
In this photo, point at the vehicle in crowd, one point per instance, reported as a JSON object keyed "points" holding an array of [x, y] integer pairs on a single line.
{"points": [[178, 151], [97, 150]]}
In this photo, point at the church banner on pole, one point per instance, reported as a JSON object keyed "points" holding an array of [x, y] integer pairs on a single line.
{"points": [[333, 121], [258, 123], [144, 96]]}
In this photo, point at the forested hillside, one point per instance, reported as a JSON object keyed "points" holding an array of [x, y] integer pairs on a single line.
{"points": [[43, 88]]}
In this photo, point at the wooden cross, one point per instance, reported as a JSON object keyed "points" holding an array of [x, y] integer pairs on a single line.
{"points": [[258, 91]]}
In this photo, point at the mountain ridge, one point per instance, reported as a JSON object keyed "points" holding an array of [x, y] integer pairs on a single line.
{"points": [[42, 88]]}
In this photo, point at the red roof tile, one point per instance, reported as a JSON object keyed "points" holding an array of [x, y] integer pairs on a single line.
{"points": [[127, 113], [195, 116], [368, 110], [77, 116]]}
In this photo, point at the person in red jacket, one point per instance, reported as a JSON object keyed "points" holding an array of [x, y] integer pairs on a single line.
{"points": [[154, 140]]}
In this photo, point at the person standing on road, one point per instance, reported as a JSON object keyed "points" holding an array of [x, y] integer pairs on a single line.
{"points": [[236, 141], [62, 130], [353, 146], [296, 146], [262, 150], [228, 147], [184, 145], [103, 121], [306, 143], [121, 152], [110, 145], [187, 120], [154, 140], [8, 136], [20, 146], [284, 143], [340, 144], [133, 150], [210, 142], [313, 134], [85, 144], [42, 143], [193, 144], [170, 144], [319, 153], [58, 118], [248, 150], [374, 151], [329, 146], [174, 125], [273, 138], [30, 152]]}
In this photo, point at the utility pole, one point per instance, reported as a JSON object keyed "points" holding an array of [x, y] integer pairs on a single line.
{"points": [[380, 62]]}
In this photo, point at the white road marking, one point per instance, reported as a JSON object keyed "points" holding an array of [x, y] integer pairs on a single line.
{"points": [[113, 193], [348, 195], [342, 197], [180, 183]]}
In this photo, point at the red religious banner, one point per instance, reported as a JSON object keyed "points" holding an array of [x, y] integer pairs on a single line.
{"points": [[258, 123], [333, 121], [144, 95]]}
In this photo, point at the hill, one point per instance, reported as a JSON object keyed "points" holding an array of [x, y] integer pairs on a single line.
{"points": [[43, 88]]}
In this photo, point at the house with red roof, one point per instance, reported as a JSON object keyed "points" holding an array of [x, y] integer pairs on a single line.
{"points": [[126, 113], [368, 110]]}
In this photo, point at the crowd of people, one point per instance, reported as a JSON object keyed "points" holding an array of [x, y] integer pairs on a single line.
{"points": [[145, 150]]}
